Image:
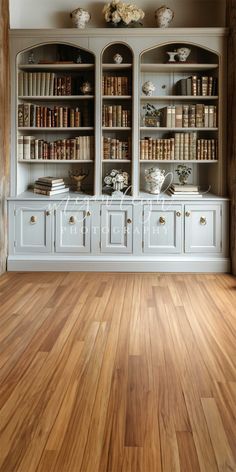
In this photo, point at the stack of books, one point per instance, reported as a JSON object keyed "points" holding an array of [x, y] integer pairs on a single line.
{"points": [[177, 190], [50, 186]]}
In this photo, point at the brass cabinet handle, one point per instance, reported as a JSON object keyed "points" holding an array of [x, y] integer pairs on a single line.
{"points": [[203, 220], [129, 221], [187, 213], [162, 220], [178, 213], [88, 213], [33, 220], [72, 220]]}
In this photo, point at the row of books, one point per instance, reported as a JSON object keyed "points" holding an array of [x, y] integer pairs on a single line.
{"points": [[183, 146], [189, 116], [79, 148], [50, 186], [115, 85], [194, 85], [116, 148], [115, 115], [47, 84], [41, 116]]}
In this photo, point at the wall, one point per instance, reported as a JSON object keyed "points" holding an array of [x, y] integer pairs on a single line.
{"points": [[55, 13]]}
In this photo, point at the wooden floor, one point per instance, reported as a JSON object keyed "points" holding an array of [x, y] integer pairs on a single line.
{"points": [[117, 372]]}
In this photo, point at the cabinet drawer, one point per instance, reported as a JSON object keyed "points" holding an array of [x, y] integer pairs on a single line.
{"points": [[117, 228], [162, 229], [73, 229], [203, 228], [33, 229]]}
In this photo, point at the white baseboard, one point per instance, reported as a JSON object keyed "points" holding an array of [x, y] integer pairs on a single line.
{"points": [[19, 263]]}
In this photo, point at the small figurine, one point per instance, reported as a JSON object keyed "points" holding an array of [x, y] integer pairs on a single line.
{"points": [[86, 88], [31, 59], [79, 59]]}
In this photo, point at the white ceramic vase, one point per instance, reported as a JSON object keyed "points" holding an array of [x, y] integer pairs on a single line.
{"points": [[154, 178], [80, 17], [164, 15], [183, 54], [117, 58], [148, 88]]}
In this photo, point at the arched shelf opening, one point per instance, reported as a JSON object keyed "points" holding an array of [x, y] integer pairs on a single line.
{"points": [[117, 112], [55, 114], [180, 113]]}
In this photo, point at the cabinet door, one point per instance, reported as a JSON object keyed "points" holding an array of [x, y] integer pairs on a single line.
{"points": [[73, 229], [202, 228], [116, 228], [33, 230], [162, 229]]}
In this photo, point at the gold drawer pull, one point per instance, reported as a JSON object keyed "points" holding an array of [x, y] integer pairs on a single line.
{"points": [[187, 213], [203, 220], [33, 220], [72, 220], [178, 213], [162, 220], [88, 213], [129, 221]]}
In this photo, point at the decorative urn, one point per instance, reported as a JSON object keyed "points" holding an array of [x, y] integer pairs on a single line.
{"points": [[154, 178], [80, 17], [164, 15], [148, 88], [117, 58], [183, 53]]}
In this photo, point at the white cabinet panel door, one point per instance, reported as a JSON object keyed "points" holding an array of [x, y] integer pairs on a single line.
{"points": [[117, 228], [73, 229], [33, 230], [162, 229], [203, 228]]}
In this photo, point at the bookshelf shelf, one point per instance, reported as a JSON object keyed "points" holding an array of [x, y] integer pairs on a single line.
{"points": [[161, 128], [185, 161], [117, 160], [56, 67], [111, 66], [177, 67], [179, 97], [52, 129], [117, 97], [55, 161], [117, 128], [55, 97]]}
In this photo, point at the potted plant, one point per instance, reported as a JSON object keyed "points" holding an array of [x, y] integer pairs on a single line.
{"points": [[152, 115], [183, 173]]}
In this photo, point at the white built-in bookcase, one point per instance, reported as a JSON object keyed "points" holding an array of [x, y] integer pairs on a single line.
{"points": [[144, 58]]}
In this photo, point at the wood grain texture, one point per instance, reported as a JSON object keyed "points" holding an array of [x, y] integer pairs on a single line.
{"points": [[4, 127], [231, 129], [117, 372]]}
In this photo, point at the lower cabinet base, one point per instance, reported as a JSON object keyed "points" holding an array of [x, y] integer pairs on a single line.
{"points": [[126, 264]]}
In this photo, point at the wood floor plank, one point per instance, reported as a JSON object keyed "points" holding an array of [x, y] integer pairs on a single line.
{"points": [[223, 453], [117, 372], [187, 452]]}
